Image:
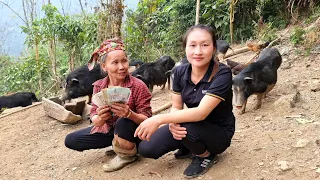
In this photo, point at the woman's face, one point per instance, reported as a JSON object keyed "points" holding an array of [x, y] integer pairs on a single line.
{"points": [[116, 64], [199, 47]]}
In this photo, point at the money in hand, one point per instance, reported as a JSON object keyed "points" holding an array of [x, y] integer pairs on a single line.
{"points": [[116, 94], [111, 95]]}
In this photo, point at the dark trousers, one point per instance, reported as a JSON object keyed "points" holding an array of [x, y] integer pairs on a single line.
{"points": [[82, 139], [201, 136]]}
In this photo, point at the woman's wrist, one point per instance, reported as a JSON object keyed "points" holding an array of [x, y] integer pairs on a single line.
{"points": [[128, 114], [97, 121]]}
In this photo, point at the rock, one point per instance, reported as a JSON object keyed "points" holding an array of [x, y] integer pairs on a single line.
{"points": [[284, 166], [258, 118], [284, 51], [286, 65], [318, 170], [315, 87], [288, 101], [301, 143], [74, 168], [261, 163], [303, 121]]}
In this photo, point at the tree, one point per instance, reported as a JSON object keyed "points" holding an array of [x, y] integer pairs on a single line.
{"points": [[110, 19], [231, 10]]}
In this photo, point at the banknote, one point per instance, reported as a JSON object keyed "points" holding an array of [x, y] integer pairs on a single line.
{"points": [[116, 94], [111, 95]]}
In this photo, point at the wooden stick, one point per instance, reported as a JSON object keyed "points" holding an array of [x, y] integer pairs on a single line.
{"points": [[163, 107], [251, 60], [237, 51], [24, 108]]}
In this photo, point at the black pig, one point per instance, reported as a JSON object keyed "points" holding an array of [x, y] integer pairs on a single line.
{"points": [[258, 78], [136, 63], [79, 82], [167, 63], [18, 99], [151, 74], [222, 48]]}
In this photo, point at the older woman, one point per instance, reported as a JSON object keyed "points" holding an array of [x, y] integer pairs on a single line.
{"points": [[114, 124]]}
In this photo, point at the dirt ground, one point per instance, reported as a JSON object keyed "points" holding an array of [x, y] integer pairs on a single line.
{"points": [[279, 141]]}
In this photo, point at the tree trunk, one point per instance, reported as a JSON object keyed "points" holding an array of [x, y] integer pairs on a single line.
{"points": [[52, 55], [71, 59], [231, 9], [38, 65], [110, 19]]}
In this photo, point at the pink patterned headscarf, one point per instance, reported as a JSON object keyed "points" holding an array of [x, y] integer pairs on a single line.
{"points": [[105, 47]]}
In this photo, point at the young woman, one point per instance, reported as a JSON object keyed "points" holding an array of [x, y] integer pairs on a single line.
{"points": [[206, 127], [114, 124]]}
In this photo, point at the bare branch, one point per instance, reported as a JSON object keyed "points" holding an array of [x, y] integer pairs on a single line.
{"points": [[62, 7], [84, 13], [14, 12]]}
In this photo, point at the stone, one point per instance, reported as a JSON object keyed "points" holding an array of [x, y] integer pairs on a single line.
{"points": [[258, 118], [315, 87], [284, 166], [287, 102], [301, 143]]}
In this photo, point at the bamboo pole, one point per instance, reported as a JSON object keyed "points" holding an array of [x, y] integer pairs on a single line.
{"points": [[161, 108], [236, 51], [197, 11]]}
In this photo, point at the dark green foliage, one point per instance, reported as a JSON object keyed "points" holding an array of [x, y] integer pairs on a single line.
{"points": [[297, 36], [21, 75]]}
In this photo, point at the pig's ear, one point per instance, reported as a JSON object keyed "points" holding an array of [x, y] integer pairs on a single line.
{"points": [[248, 80], [74, 80], [140, 77]]}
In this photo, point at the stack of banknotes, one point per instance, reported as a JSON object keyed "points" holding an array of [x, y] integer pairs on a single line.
{"points": [[111, 95]]}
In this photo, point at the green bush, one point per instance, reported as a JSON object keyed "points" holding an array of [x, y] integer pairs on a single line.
{"points": [[297, 36], [268, 33]]}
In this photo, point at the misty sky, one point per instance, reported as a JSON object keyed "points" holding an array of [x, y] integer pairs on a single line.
{"points": [[11, 22]]}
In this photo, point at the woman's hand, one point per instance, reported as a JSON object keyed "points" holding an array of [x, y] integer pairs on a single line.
{"points": [[119, 109], [177, 131], [104, 113], [147, 128]]}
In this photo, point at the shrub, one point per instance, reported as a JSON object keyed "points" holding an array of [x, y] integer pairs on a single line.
{"points": [[297, 36]]}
